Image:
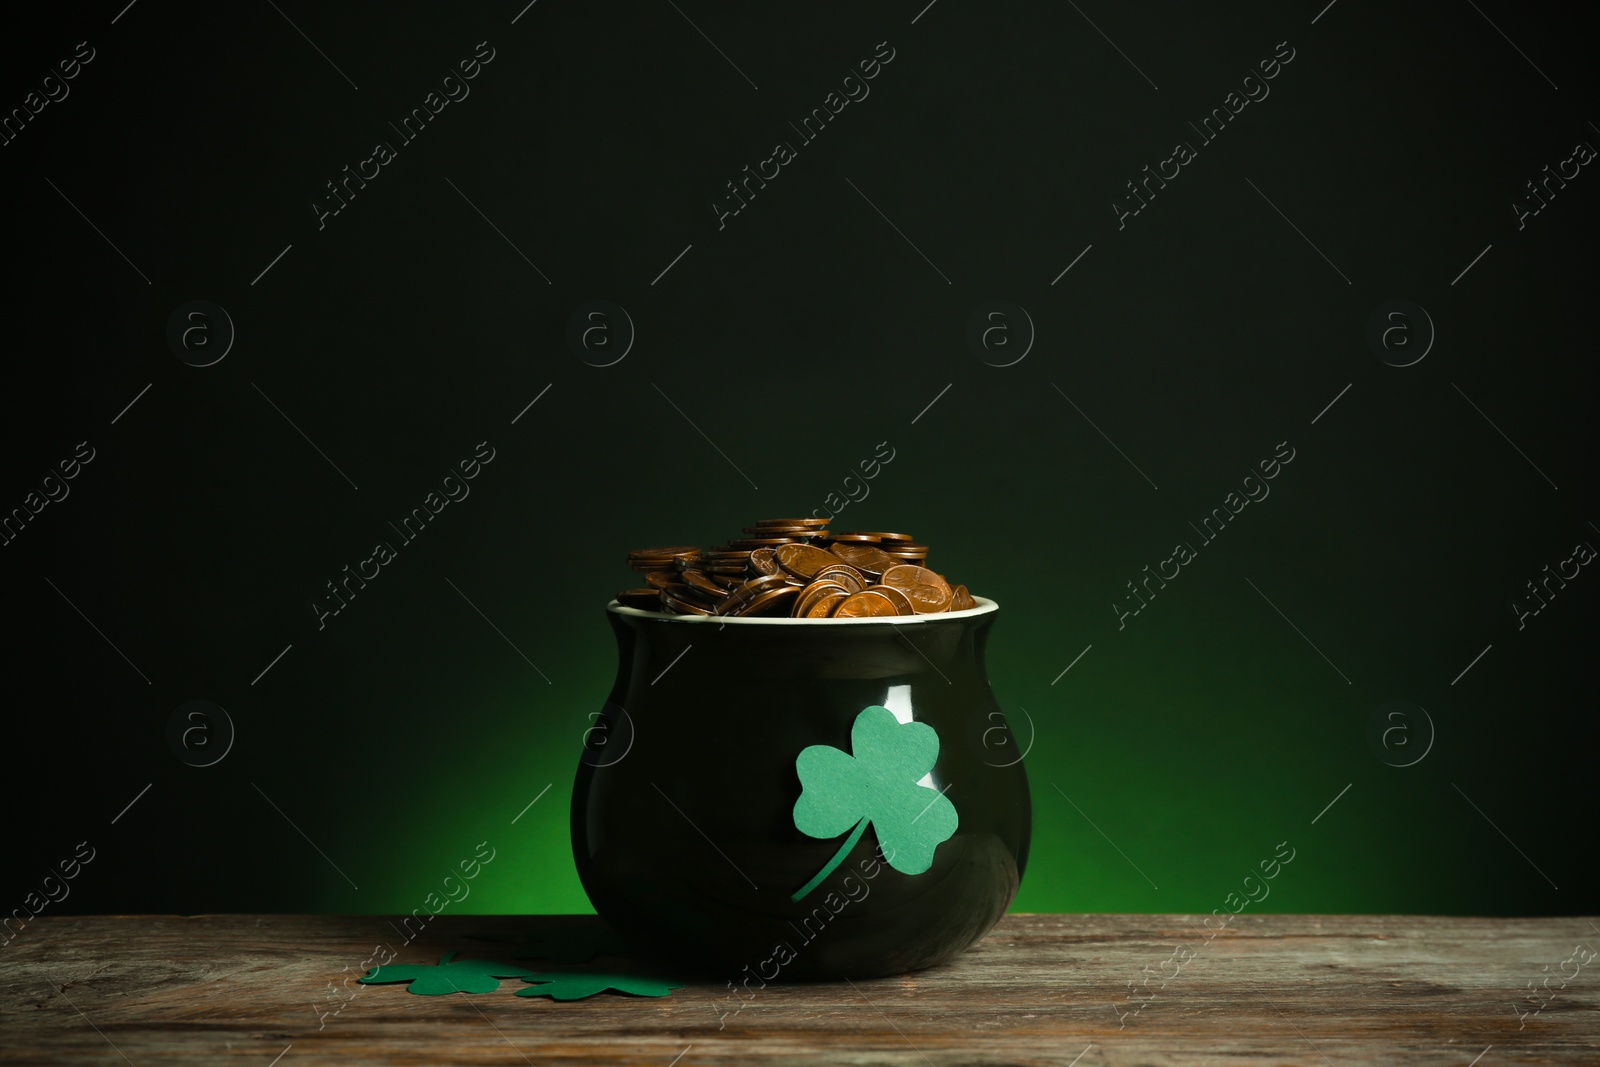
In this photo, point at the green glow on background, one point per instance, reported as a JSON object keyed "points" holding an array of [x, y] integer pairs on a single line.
{"points": [[381, 748], [1191, 776]]}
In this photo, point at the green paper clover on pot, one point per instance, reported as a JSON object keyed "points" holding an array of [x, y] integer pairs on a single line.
{"points": [[433, 980], [878, 783]]}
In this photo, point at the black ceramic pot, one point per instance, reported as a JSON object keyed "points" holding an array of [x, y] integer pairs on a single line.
{"points": [[702, 833]]}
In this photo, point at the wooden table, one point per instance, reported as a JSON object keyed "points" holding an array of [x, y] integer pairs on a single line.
{"points": [[1040, 989]]}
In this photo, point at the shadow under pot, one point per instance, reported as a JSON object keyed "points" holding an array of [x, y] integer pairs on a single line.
{"points": [[801, 798]]}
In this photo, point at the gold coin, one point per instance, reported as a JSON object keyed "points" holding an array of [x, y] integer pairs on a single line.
{"points": [[928, 592], [902, 603], [683, 607], [818, 589], [663, 553], [961, 600], [705, 583], [646, 599], [824, 606], [844, 574], [870, 560], [802, 561], [771, 602], [745, 592], [866, 604], [694, 594], [809, 523]]}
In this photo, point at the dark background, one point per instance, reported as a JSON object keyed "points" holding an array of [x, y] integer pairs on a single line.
{"points": [[1224, 719]]}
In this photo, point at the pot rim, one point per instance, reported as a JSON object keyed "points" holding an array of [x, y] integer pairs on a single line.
{"points": [[985, 607]]}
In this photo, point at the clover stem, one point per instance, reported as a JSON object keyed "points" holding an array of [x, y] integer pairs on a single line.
{"points": [[838, 858]]}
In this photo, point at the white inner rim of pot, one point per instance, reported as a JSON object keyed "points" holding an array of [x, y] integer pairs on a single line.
{"points": [[985, 606]]}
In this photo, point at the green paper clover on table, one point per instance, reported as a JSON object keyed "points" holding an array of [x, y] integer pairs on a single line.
{"points": [[433, 980], [575, 985], [878, 784]]}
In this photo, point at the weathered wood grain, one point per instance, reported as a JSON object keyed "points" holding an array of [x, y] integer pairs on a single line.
{"points": [[1040, 989]]}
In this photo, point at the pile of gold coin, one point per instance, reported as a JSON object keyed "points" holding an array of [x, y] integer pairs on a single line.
{"points": [[794, 568]]}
